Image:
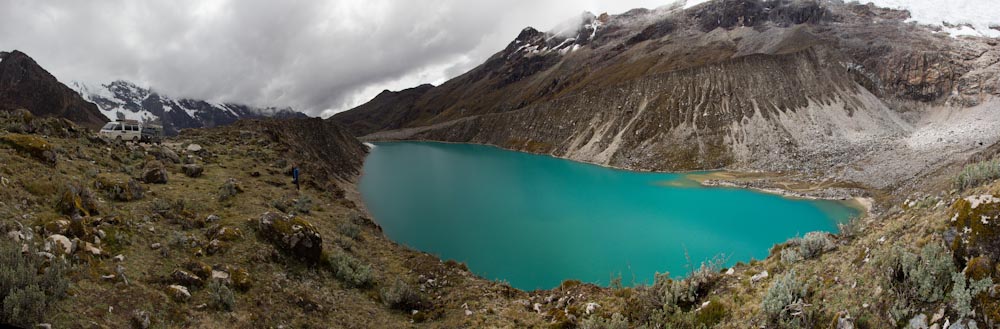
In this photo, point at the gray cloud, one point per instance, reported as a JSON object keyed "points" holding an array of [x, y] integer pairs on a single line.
{"points": [[316, 56]]}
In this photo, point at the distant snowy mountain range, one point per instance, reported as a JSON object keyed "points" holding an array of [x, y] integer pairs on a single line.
{"points": [[125, 100]]}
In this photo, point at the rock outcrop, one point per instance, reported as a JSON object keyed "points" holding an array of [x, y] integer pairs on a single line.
{"points": [[26, 85]]}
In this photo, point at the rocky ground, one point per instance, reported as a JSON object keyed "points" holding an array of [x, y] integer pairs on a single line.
{"points": [[207, 230]]}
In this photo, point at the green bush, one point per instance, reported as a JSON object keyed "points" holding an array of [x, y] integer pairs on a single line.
{"points": [[350, 230], [711, 314], [617, 321], [814, 244], [350, 270], [785, 292], [222, 297], [683, 294], [925, 277], [402, 296], [978, 173], [790, 255], [25, 294], [229, 189], [962, 293]]}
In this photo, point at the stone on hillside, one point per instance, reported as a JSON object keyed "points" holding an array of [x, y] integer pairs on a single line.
{"points": [[31, 145], [119, 189], [140, 319], [154, 173], [229, 189], [192, 170], [292, 235], [178, 293], [58, 226], [194, 148], [212, 218], [61, 242], [169, 154], [76, 200], [185, 278], [155, 246], [241, 278], [92, 249]]}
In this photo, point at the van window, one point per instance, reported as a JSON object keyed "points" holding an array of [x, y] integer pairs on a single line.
{"points": [[110, 126], [119, 127]]}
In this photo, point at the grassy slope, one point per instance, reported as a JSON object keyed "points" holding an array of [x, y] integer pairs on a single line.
{"points": [[291, 292]]}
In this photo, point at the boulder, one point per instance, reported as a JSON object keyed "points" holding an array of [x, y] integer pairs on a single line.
{"points": [[241, 278], [58, 226], [212, 218], [62, 243], [192, 170], [186, 278], [119, 189], [178, 293], [140, 319], [292, 235], [167, 154], [31, 145], [154, 173], [76, 200], [194, 148], [92, 249]]}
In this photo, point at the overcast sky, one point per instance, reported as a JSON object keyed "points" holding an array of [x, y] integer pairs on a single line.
{"points": [[315, 56], [318, 57]]}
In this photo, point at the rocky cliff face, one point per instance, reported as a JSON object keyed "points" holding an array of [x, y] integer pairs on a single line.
{"points": [[26, 85], [764, 85], [123, 99]]}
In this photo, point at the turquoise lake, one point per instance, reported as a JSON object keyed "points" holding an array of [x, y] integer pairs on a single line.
{"points": [[536, 220]]}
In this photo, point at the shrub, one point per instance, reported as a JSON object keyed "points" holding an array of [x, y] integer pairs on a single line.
{"points": [[24, 306], [222, 297], [402, 296], [685, 293], [814, 244], [711, 314], [617, 321], [962, 293], [978, 173], [25, 294], [350, 270], [925, 277], [229, 189], [782, 297], [302, 205], [790, 255], [350, 230]]}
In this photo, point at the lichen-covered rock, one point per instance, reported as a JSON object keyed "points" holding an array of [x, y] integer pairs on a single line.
{"points": [[185, 278], [975, 225], [199, 268], [293, 235], [59, 226], [164, 153], [178, 293], [76, 200], [34, 146], [119, 189], [192, 170], [241, 278], [154, 173], [229, 189], [225, 233]]}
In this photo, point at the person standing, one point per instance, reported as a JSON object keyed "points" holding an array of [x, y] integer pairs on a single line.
{"points": [[295, 176]]}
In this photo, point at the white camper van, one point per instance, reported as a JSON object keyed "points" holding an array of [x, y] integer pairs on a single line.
{"points": [[128, 130]]}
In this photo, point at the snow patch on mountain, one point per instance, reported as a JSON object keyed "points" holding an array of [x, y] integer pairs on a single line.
{"points": [[957, 17]]}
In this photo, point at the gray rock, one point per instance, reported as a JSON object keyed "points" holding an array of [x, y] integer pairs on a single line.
{"points": [[178, 293], [918, 322], [194, 148], [192, 170], [140, 319]]}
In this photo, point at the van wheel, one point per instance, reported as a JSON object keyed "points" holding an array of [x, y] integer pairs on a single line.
{"points": [[118, 139], [135, 140]]}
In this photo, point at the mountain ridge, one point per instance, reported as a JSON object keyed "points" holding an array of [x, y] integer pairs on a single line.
{"points": [[125, 99]]}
